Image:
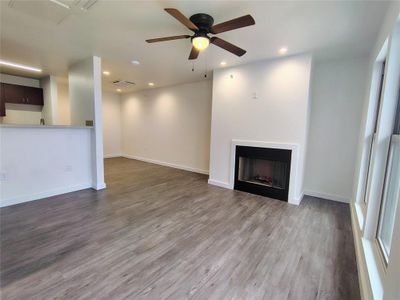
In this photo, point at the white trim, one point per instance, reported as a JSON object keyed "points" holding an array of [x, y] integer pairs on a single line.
{"points": [[113, 155], [225, 185], [99, 186], [331, 197], [41, 195], [292, 198], [363, 279], [166, 164], [298, 199]]}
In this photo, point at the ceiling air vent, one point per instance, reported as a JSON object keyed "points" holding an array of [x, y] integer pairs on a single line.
{"points": [[123, 83]]}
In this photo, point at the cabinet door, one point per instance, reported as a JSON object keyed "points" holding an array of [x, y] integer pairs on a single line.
{"points": [[33, 95], [2, 102], [14, 93]]}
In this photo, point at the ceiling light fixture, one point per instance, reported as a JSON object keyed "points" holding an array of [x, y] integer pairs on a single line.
{"points": [[223, 63], [119, 90], [151, 83], [283, 50], [106, 73], [19, 66], [135, 62], [200, 42], [60, 3]]}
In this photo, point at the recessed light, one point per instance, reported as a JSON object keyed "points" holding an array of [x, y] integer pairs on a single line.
{"points": [[223, 63], [283, 50], [151, 83], [119, 90], [135, 62], [106, 73], [19, 66]]}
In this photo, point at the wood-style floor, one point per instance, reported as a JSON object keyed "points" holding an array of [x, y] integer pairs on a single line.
{"points": [[162, 233]]}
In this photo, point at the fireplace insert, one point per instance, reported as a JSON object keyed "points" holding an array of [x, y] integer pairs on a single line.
{"points": [[263, 171]]}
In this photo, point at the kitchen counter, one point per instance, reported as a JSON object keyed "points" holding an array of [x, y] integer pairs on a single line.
{"points": [[43, 126]]}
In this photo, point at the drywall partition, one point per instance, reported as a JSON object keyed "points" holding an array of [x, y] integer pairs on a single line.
{"points": [[50, 100], [265, 101], [337, 101], [38, 162], [64, 114], [21, 113], [111, 124], [81, 92], [169, 126], [85, 97]]}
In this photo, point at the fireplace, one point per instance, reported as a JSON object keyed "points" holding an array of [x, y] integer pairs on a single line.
{"points": [[263, 171]]}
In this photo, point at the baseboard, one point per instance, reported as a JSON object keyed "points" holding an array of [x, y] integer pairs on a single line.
{"points": [[332, 197], [297, 200], [112, 155], [166, 164], [219, 183], [99, 186], [363, 278], [41, 195]]}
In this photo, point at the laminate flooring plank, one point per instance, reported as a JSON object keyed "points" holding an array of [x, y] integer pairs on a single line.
{"points": [[163, 233]]}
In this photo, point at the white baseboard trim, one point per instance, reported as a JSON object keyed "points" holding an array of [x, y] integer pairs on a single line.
{"points": [[363, 278], [166, 164], [332, 197], [297, 200], [220, 184], [45, 194], [99, 186], [112, 155]]}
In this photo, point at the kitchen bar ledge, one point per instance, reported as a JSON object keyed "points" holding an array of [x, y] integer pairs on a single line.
{"points": [[43, 126]]}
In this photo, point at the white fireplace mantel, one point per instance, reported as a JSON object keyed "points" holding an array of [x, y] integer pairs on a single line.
{"points": [[294, 197]]}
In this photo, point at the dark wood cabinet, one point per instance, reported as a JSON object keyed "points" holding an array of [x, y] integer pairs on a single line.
{"points": [[33, 95], [2, 102], [19, 94]]}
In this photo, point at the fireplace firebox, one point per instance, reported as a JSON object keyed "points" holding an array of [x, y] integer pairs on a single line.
{"points": [[263, 171]]}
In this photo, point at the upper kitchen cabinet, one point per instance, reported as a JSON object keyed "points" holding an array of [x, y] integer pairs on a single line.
{"points": [[19, 94], [2, 103]]}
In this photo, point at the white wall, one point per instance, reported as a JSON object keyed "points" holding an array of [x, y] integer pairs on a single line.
{"points": [[337, 101], [169, 125], [44, 161], [21, 113], [278, 115], [50, 100], [111, 124], [80, 92], [85, 98], [64, 114]]}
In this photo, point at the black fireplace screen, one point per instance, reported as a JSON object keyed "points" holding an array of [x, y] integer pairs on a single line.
{"points": [[263, 171]]}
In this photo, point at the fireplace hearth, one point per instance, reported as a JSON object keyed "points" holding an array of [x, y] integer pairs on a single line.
{"points": [[263, 171]]}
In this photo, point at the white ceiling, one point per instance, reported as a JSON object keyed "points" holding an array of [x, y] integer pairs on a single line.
{"points": [[48, 36]]}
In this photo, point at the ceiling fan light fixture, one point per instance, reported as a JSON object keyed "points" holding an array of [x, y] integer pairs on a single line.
{"points": [[200, 42]]}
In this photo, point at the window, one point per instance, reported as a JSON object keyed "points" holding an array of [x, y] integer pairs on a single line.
{"points": [[375, 121], [391, 190]]}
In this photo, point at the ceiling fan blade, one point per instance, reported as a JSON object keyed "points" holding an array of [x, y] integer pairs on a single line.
{"points": [[181, 18], [194, 53], [228, 46], [233, 24], [168, 38]]}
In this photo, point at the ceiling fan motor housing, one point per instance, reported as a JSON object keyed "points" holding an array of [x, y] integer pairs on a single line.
{"points": [[203, 21]]}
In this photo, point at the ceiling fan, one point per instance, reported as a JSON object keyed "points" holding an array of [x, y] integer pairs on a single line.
{"points": [[202, 25]]}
